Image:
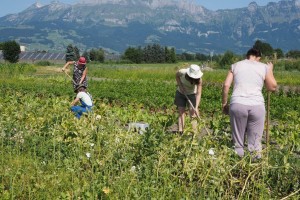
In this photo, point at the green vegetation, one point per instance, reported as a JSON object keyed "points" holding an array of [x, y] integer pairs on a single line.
{"points": [[150, 54], [11, 51], [47, 154], [43, 63], [72, 53]]}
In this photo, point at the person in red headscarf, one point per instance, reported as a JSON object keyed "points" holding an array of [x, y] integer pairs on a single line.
{"points": [[79, 72]]}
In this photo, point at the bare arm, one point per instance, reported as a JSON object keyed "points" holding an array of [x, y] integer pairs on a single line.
{"points": [[75, 101], [226, 87], [83, 75], [67, 65], [270, 81], [198, 94]]}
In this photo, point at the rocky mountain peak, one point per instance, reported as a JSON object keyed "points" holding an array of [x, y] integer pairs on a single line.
{"points": [[252, 7], [34, 6], [117, 24]]}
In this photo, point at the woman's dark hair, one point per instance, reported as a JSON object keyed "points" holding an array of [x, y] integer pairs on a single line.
{"points": [[259, 54], [192, 80], [253, 52]]}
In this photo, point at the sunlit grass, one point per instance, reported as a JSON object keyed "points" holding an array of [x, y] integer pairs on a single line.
{"points": [[45, 153]]}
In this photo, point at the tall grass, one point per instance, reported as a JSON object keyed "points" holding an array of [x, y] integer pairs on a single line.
{"points": [[9, 69]]}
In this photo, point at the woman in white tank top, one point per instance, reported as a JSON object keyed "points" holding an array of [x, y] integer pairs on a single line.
{"points": [[247, 108]]}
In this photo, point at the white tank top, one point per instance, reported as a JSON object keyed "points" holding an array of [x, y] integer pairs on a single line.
{"points": [[248, 77]]}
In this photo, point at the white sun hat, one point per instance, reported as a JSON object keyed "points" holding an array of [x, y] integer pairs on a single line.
{"points": [[194, 71]]}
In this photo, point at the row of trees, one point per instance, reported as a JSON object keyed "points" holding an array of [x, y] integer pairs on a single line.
{"points": [[150, 54], [154, 53], [73, 53]]}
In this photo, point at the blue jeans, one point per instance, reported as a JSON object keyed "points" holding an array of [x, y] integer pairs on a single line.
{"points": [[79, 110]]}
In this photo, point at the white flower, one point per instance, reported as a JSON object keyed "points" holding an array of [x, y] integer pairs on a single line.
{"points": [[211, 152], [132, 169], [88, 155], [92, 144], [98, 117]]}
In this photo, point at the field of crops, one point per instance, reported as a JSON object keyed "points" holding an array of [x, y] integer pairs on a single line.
{"points": [[45, 153]]}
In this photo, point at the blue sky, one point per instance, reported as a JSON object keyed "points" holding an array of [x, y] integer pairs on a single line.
{"points": [[15, 6]]}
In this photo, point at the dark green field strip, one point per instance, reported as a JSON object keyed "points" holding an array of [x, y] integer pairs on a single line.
{"points": [[151, 94]]}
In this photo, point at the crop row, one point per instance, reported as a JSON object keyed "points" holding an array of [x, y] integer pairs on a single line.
{"points": [[48, 154]]}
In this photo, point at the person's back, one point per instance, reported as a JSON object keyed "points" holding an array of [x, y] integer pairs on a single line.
{"points": [[247, 108], [85, 100], [249, 79]]}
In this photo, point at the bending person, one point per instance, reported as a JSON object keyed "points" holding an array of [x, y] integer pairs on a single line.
{"points": [[189, 85], [84, 98], [247, 107], [79, 72]]}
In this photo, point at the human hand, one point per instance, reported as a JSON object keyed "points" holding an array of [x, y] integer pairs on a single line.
{"points": [[195, 112], [225, 109]]}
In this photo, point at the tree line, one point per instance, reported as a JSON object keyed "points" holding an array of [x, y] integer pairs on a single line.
{"points": [[73, 53], [154, 53]]}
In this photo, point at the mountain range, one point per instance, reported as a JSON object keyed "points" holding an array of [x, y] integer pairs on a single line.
{"points": [[115, 25]]}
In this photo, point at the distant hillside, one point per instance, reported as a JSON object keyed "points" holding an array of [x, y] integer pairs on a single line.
{"points": [[117, 24]]}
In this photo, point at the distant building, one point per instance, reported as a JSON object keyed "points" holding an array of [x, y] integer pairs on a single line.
{"points": [[22, 48]]}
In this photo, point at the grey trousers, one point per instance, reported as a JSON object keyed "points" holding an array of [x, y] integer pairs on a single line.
{"points": [[247, 120]]}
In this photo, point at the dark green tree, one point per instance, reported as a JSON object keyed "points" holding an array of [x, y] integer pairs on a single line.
{"points": [[279, 53], [187, 56], [170, 55], [11, 51], [93, 54], [202, 57], [135, 55], [227, 59], [154, 54], [173, 55], [158, 53], [293, 54], [76, 52], [101, 55], [70, 53], [265, 48], [147, 54], [97, 55]]}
